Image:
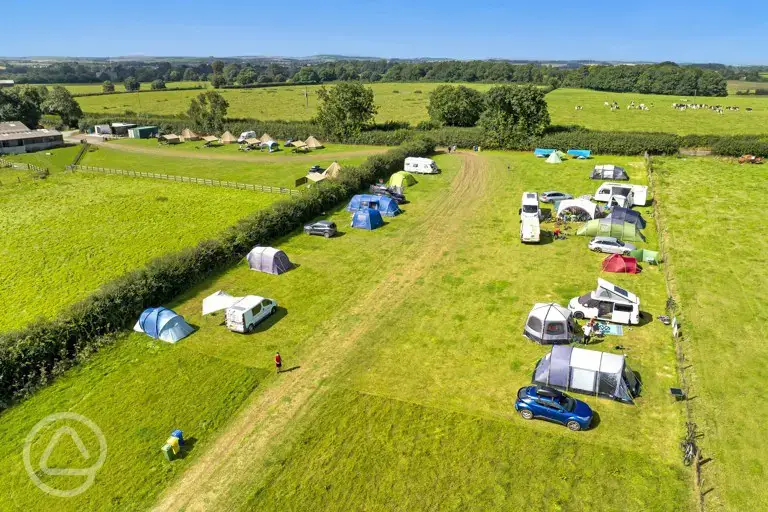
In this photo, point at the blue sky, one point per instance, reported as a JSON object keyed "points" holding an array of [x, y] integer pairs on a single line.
{"points": [[733, 32]]}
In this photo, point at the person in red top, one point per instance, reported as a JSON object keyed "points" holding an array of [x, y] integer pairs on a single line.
{"points": [[278, 362]]}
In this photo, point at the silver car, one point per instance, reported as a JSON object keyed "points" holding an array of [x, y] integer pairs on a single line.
{"points": [[611, 245]]}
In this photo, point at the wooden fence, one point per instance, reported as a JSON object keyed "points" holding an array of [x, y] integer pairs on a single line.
{"points": [[184, 179], [38, 173]]}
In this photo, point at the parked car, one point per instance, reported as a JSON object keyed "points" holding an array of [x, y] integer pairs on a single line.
{"points": [[611, 245], [554, 405], [325, 228], [316, 168], [383, 190], [553, 195]]}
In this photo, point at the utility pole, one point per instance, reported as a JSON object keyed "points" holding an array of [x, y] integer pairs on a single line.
{"points": [[306, 97]]}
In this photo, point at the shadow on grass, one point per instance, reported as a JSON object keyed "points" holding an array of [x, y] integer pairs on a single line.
{"points": [[645, 318], [279, 314], [292, 368], [189, 445], [595, 420]]}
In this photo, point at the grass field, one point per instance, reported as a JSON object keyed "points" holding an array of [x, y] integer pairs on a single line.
{"points": [[715, 234], [119, 87], [740, 85]]}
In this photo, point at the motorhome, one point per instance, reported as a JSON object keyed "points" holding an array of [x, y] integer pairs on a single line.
{"points": [[608, 302], [530, 217], [622, 194], [418, 165], [246, 135]]}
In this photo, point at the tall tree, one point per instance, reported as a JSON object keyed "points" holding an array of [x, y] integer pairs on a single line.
{"points": [[512, 114], [455, 106], [156, 85], [131, 84], [107, 86], [20, 104], [208, 112], [345, 109], [61, 102]]}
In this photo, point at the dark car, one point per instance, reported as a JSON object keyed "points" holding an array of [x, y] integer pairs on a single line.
{"points": [[383, 190], [316, 168], [554, 405], [325, 228]]}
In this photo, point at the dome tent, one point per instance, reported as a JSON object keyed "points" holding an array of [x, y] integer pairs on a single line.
{"points": [[269, 260], [549, 323], [619, 263], [609, 172], [163, 324], [367, 218], [401, 180], [386, 206], [646, 256], [554, 158]]}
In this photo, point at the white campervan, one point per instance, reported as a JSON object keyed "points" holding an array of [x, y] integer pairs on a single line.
{"points": [[246, 135], [530, 216], [420, 165], [622, 194], [608, 302], [242, 314]]}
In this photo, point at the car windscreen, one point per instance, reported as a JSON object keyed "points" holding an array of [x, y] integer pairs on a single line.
{"points": [[529, 208], [567, 403]]}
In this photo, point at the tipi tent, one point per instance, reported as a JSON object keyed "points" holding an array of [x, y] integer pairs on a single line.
{"points": [[163, 324], [228, 138], [620, 264], [269, 260], [549, 323], [554, 158], [332, 171], [587, 371], [582, 208], [367, 218], [625, 231], [621, 214], [189, 135], [401, 180], [266, 138], [385, 205], [313, 143], [609, 172], [646, 256]]}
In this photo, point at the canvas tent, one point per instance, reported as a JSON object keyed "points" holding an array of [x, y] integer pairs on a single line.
{"points": [[646, 256], [189, 135], [269, 260], [266, 138], [554, 158], [581, 208], [625, 231], [621, 214], [313, 143], [315, 177], [367, 218], [228, 138], [170, 138], [401, 180], [163, 324], [210, 139], [609, 172], [332, 171], [620, 264], [299, 146], [386, 206], [549, 323], [587, 371]]}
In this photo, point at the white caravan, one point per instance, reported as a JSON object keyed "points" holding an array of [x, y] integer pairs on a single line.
{"points": [[242, 314], [622, 194], [608, 302], [418, 165], [246, 135], [530, 216]]}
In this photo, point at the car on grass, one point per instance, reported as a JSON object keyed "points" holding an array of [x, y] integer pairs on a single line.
{"points": [[244, 315], [553, 195], [324, 228], [553, 405], [611, 245], [316, 168]]}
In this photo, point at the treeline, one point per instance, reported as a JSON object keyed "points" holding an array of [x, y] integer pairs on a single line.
{"points": [[665, 78]]}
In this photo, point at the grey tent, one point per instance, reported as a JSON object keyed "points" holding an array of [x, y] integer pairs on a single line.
{"points": [[621, 214], [609, 172], [549, 323], [269, 260], [587, 371]]}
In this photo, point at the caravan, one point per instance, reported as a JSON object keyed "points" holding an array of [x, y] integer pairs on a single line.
{"points": [[420, 165], [246, 135], [608, 302], [530, 215], [625, 195]]}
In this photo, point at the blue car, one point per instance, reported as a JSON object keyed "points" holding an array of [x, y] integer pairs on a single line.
{"points": [[551, 404]]}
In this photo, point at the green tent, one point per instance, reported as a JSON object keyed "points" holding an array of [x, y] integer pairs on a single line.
{"points": [[646, 256], [401, 179], [625, 231], [554, 158]]}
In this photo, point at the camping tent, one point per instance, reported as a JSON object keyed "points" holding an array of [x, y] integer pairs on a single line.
{"points": [[619, 263], [299, 146], [385, 205], [163, 324], [587, 371], [266, 138], [367, 218], [269, 260], [188, 135], [313, 143], [581, 154], [332, 171], [543, 152], [270, 145], [170, 138], [549, 323], [646, 256], [210, 139], [401, 180], [609, 172], [625, 231], [315, 177], [554, 158], [228, 138], [582, 208], [621, 214]]}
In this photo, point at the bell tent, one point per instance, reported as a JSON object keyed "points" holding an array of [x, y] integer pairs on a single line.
{"points": [[313, 143], [587, 371], [621, 214], [266, 138], [269, 260], [609, 172], [620, 264], [367, 218], [624, 231], [401, 180], [554, 158], [332, 171], [549, 323], [386, 206], [189, 135], [581, 208], [228, 138], [163, 324]]}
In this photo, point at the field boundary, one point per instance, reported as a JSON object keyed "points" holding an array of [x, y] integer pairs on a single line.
{"points": [[185, 179]]}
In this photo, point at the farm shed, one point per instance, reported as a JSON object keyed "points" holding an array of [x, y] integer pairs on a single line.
{"points": [[102, 129], [189, 135], [625, 231], [384, 205], [122, 128], [143, 132], [332, 171], [620, 264], [269, 260], [313, 143], [587, 371], [367, 219], [401, 180], [227, 138], [15, 137], [163, 324], [549, 323]]}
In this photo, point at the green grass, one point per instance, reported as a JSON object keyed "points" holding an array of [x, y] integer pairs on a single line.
{"points": [[715, 231], [741, 85], [119, 87], [53, 160]]}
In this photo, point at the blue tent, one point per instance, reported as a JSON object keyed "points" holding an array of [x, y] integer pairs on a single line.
{"points": [[367, 218], [385, 205], [163, 324], [620, 214], [541, 153], [581, 154]]}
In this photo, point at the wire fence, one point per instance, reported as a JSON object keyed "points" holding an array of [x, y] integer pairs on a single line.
{"points": [[36, 172], [185, 179]]}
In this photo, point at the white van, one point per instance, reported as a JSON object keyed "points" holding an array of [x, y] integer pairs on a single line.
{"points": [[608, 302], [420, 165], [530, 205], [245, 314], [530, 230], [622, 194], [246, 135]]}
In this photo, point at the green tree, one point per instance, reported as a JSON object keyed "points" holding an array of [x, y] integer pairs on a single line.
{"points": [[131, 84], [107, 86], [158, 84], [190, 75], [247, 76], [21, 104], [218, 80], [306, 74], [455, 106], [61, 102], [513, 114], [208, 112], [174, 76], [345, 109], [217, 66]]}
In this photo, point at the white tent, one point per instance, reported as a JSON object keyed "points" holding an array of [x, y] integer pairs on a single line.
{"points": [[218, 301], [578, 206], [549, 323], [554, 158]]}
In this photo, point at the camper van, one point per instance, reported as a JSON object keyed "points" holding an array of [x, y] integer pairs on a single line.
{"points": [[420, 165], [608, 302], [245, 314], [530, 215], [246, 135], [625, 195]]}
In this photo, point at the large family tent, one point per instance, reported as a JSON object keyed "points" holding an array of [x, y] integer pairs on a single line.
{"points": [[625, 231], [549, 323], [646, 256], [581, 208], [621, 214], [266, 138], [385, 205], [367, 218], [313, 143], [189, 135], [620, 264], [609, 172], [587, 371], [401, 180], [269, 260], [554, 158], [163, 324], [228, 138], [332, 171]]}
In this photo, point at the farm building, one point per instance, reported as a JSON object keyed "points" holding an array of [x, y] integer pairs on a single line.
{"points": [[102, 129], [15, 137], [122, 128], [6, 83], [143, 132]]}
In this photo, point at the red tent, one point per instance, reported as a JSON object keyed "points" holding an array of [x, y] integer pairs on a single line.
{"points": [[619, 263]]}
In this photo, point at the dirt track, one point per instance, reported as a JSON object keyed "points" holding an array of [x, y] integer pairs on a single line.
{"points": [[243, 444]]}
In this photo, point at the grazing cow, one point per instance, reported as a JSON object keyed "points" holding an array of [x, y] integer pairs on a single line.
{"points": [[606, 104], [748, 109]]}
